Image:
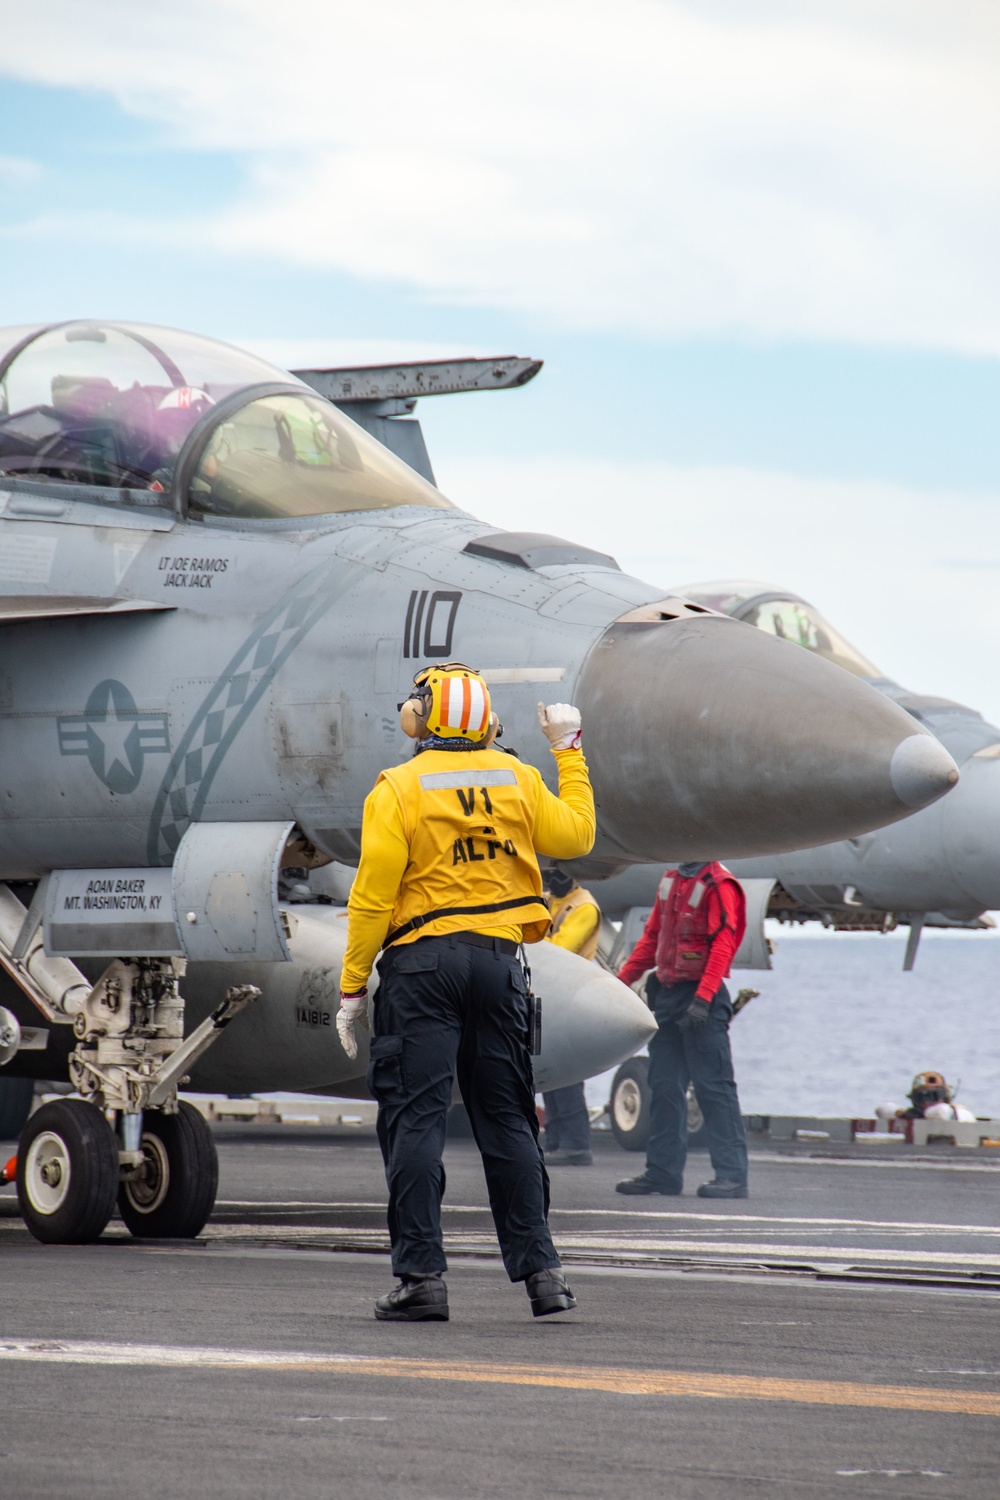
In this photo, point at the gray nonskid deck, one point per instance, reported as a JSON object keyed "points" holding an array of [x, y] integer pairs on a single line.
{"points": [[833, 1334]]}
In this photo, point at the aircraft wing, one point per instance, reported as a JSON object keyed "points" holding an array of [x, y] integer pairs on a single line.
{"points": [[52, 606]]}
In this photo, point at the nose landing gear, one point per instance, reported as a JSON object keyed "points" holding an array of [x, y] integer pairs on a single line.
{"points": [[158, 1158]]}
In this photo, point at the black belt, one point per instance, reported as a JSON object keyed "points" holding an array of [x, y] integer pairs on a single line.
{"points": [[480, 940], [491, 908]]}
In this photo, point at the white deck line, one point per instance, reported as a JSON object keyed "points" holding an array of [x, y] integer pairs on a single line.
{"points": [[720, 1249], [81, 1352], [721, 1220]]}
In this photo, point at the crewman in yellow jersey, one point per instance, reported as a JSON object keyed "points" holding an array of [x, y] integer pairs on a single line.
{"points": [[576, 926], [448, 887]]}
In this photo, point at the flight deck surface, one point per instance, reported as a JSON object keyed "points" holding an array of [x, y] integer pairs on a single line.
{"points": [[834, 1334]]}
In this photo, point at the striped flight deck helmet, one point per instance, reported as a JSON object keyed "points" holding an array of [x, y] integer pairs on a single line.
{"points": [[451, 701]]}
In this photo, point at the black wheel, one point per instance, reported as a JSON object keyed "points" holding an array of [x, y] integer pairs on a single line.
{"points": [[16, 1095], [629, 1107], [67, 1173], [174, 1193]]}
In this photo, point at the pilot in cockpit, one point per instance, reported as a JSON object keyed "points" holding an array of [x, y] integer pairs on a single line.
{"points": [[176, 413]]}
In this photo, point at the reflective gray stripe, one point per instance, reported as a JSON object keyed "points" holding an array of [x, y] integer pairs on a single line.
{"points": [[666, 886], [452, 780], [694, 900]]}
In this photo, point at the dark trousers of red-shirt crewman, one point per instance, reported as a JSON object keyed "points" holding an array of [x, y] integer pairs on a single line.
{"points": [[680, 1054]]}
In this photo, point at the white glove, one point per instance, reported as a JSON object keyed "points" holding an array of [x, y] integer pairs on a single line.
{"points": [[561, 725], [353, 1012]]}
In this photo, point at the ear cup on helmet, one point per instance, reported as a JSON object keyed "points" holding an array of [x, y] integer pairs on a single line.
{"points": [[413, 717]]}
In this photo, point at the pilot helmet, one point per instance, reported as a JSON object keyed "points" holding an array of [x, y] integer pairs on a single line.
{"points": [[450, 701], [929, 1088], [186, 398]]}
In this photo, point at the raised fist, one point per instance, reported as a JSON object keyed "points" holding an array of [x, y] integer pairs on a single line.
{"points": [[561, 725]]}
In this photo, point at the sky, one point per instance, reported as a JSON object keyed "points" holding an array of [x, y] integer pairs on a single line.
{"points": [[755, 244]]}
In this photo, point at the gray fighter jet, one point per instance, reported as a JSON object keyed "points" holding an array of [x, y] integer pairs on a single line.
{"points": [[939, 868], [214, 590]]}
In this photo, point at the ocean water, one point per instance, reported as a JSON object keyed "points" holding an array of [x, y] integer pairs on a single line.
{"points": [[838, 1027]]}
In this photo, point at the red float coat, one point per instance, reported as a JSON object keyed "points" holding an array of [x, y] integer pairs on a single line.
{"points": [[693, 931]]}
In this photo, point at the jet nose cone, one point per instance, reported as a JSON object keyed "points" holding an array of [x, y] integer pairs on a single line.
{"points": [[590, 1020], [921, 770], [708, 738]]}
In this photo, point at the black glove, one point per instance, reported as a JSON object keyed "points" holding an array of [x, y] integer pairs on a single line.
{"points": [[699, 1013]]}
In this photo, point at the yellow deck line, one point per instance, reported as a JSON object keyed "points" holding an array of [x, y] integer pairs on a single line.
{"points": [[684, 1383], [610, 1379]]}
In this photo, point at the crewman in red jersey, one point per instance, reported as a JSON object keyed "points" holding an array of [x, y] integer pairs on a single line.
{"points": [[689, 942]]}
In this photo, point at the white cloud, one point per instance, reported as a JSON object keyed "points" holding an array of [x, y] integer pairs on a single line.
{"points": [[878, 560], [17, 171], [822, 170]]}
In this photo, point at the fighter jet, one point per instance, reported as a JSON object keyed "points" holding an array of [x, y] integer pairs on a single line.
{"points": [[214, 590], [937, 869]]}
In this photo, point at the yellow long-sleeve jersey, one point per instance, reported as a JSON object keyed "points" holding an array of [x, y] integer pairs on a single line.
{"points": [[579, 929], [449, 842]]}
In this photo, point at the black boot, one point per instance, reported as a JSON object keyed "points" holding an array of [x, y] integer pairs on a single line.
{"points": [[549, 1292], [719, 1187], [417, 1299], [643, 1185]]}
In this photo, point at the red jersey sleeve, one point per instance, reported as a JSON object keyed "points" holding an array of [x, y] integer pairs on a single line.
{"points": [[643, 955], [721, 899]]}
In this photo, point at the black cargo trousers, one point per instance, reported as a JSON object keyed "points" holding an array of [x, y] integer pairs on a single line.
{"points": [[444, 1007]]}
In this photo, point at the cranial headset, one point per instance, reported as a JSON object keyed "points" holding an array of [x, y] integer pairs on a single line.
{"points": [[929, 1088], [451, 701]]}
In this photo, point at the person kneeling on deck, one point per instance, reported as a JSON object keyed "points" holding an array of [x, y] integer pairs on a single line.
{"points": [[931, 1098], [693, 932], [448, 886], [576, 926]]}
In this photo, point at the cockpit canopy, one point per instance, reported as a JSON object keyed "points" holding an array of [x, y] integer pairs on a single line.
{"points": [[296, 455], [111, 403], [117, 406], [784, 615]]}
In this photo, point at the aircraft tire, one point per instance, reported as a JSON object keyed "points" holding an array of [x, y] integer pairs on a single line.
{"points": [[628, 1106], [16, 1095], [696, 1121], [176, 1192], [67, 1173]]}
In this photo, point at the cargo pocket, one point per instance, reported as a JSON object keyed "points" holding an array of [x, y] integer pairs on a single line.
{"points": [[518, 981], [385, 1070], [525, 1011], [415, 958]]}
